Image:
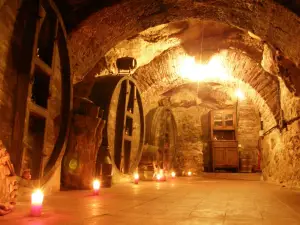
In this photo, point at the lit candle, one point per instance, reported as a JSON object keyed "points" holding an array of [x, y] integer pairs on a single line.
{"points": [[37, 198], [162, 175], [173, 174], [189, 173], [96, 187], [136, 178], [158, 177]]}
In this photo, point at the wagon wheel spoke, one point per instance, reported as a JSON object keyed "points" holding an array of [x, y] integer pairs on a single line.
{"points": [[124, 133]]}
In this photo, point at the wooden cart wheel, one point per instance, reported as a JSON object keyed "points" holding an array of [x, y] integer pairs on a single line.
{"points": [[43, 93], [121, 101]]}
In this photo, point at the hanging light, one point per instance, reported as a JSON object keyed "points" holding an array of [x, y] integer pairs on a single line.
{"points": [[193, 71], [239, 94]]}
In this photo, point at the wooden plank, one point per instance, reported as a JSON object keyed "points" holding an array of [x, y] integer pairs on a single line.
{"points": [[224, 143], [129, 114], [38, 110], [127, 137], [43, 66], [127, 88], [24, 67]]}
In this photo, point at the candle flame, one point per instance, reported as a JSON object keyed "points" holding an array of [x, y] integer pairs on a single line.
{"points": [[189, 173], [158, 176], [173, 174], [136, 176], [96, 184], [37, 197]]}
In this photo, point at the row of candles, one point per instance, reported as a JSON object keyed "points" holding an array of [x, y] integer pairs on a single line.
{"points": [[159, 176], [37, 196]]}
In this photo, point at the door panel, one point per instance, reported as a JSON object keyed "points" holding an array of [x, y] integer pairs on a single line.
{"points": [[232, 156], [220, 156]]}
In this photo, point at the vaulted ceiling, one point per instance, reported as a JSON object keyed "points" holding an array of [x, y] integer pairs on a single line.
{"points": [[260, 38], [75, 11]]}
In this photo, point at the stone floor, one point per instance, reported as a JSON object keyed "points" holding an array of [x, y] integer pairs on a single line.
{"points": [[183, 201]]}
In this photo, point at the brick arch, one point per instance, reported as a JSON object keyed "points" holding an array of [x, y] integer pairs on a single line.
{"points": [[104, 29], [161, 75]]}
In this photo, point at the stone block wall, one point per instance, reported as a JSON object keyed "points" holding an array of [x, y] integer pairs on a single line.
{"points": [[248, 129], [281, 156], [191, 108], [281, 149], [191, 137], [8, 78]]}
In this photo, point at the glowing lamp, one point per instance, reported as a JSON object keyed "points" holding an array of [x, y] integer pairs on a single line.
{"points": [[189, 173], [136, 178], [37, 199], [96, 187], [239, 94], [173, 174]]}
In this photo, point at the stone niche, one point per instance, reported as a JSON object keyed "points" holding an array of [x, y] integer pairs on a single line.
{"points": [[190, 105]]}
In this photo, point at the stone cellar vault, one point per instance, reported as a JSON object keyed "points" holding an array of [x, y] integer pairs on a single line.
{"points": [[68, 114]]}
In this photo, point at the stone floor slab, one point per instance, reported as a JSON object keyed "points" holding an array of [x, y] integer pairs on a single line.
{"points": [[179, 202]]}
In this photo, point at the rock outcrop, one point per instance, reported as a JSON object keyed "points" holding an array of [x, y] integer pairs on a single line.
{"points": [[8, 182]]}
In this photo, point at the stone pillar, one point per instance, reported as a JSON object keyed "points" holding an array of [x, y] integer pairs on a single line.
{"points": [[85, 138]]}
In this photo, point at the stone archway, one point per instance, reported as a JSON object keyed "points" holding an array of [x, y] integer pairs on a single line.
{"points": [[132, 17]]}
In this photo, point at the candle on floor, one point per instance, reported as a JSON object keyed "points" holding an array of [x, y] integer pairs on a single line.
{"points": [[37, 198], [136, 178], [158, 177], [162, 175], [173, 174], [96, 187]]}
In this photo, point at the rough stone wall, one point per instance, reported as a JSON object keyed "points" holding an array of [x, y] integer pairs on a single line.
{"points": [[162, 74], [248, 128], [281, 150], [190, 105], [281, 154], [8, 80], [190, 140], [104, 29]]}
